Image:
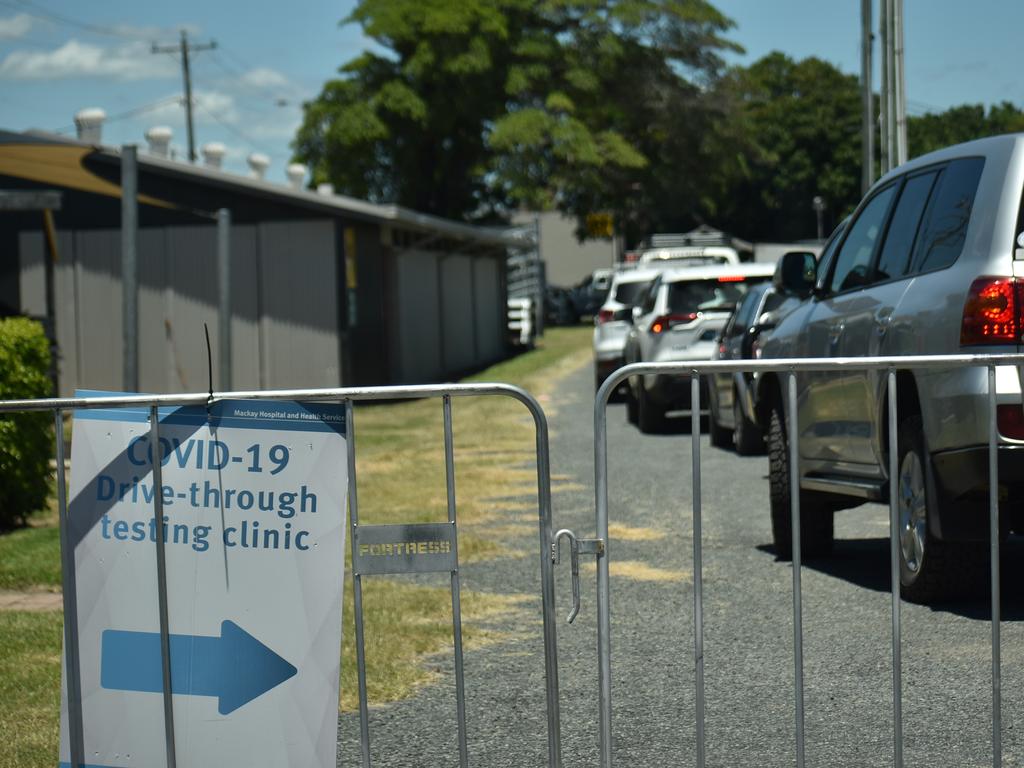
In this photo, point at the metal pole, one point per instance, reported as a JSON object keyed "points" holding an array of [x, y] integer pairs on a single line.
{"points": [[883, 101], [161, 583], [70, 597], [130, 266], [604, 626], [224, 296], [868, 99], [460, 685], [186, 71], [894, 575], [899, 84], [798, 629], [698, 565], [357, 587], [993, 516]]}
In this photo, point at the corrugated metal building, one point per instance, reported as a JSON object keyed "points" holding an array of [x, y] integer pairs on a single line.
{"points": [[325, 290]]}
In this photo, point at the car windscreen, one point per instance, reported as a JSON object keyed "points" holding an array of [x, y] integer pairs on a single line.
{"points": [[716, 294], [628, 293]]}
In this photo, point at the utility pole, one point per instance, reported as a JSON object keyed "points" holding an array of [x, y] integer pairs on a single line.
{"points": [[185, 48], [868, 100]]}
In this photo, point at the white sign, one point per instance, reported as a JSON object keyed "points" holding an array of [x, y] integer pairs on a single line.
{"points": [[254, 498]]}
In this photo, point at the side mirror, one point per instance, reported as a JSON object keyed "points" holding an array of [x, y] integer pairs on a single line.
{"points": [[636, 313], [796, 273], [766, 321]]}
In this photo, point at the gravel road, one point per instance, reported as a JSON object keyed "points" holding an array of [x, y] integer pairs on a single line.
{"points": [[748, 633]]}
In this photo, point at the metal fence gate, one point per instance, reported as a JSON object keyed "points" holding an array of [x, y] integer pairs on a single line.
{"points": [[362, 539], [789, 370]]}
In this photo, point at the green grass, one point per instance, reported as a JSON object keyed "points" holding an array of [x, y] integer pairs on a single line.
{"points": [[401, 472], [30, 557], [29, 689]]}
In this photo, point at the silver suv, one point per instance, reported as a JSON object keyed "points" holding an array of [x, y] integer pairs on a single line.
{"points": [[926, 266]]}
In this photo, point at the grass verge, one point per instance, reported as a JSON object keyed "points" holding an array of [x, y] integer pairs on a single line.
{"points": [[401, 472]]}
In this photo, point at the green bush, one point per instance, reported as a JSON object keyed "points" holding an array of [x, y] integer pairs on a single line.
{"points": [[26, 439]]}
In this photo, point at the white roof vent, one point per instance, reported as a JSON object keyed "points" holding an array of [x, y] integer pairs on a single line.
{"points": [[258, 164], [296, 173], [213, 154], [89, 124], [159, 138], [325, 188]]}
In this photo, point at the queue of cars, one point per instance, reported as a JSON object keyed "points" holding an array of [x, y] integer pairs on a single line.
{"points": [[931, 262]]}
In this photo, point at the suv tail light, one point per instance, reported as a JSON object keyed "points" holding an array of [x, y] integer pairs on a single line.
{"points": [[993, 312], [664, 322], [1010, 420], [604, 316]]}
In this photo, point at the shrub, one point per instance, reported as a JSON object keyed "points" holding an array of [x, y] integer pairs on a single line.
{"points": [[25, 438]]}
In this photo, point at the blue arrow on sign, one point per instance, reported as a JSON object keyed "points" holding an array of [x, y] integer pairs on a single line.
{"points": [[235, 667]]}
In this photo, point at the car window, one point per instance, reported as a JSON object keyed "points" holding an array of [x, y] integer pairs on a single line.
{"points": [[630, 293], [652, 293], [743, 318], [945, 221], [906, 218], [716, 294], [854, 258]]}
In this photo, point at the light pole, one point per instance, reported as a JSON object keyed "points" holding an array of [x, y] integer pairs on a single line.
{"points": [[818, 204]]}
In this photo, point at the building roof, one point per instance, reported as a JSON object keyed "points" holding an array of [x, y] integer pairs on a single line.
{"points": [[35, 159]]}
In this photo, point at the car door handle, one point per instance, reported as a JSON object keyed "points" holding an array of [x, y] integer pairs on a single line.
{"points": [[882, 325]]}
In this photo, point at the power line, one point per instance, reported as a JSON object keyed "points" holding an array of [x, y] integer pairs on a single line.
{"points": [[135, 112], [234, 129], [44, 14]]}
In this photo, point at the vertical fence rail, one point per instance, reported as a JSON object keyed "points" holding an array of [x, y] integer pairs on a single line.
{"points": [[894, 571], [793, 430], [993, 516], [698, 565], [72, 661], [357, 586], [460, 682], [161, 583]]}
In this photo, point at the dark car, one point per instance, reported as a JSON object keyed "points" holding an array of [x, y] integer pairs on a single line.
{"points": [[732, 418]]}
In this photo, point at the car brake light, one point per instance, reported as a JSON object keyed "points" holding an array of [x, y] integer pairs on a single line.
{"points": [[664, 322], [1010, 420], [604, 316], [732, 279], [992, 311]]}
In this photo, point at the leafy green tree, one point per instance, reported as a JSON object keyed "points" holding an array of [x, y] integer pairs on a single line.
{"points": [[794, 135], [480, 106], [929, 132]]}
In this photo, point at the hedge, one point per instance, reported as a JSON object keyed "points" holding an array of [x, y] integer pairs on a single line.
{"points": [[26, 439]]}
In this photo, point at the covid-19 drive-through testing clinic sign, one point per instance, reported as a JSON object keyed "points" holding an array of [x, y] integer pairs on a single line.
{"points": [[254, 497]]}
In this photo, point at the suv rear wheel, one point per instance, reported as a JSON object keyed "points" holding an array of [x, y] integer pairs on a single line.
{"points": [[650, 416], [748, 438], [816, 520], [930, 569], [720, 436]]}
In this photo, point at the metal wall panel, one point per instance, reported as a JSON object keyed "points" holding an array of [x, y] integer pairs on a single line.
{"points": [[156, 364], [457, 321], [418, 307], [299, 289], [98, 269], [191, 295], [490, 310], [245, 331]]}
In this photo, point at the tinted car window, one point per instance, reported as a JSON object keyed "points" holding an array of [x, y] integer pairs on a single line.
{"points": [[906, 218], [945, 222], [744, 316], [629, 293], [648, 299], [854, 257], [692, 296]]}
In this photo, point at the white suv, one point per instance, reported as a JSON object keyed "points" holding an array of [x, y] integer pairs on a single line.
{"points": [[679, 318], [931, 263]]}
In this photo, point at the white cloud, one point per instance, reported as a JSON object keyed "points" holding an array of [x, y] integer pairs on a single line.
{"points": [[132, 61], [210, 107], [13, 27], [264, 77]]}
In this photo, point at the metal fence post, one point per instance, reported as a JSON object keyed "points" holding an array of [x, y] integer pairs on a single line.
{"points": [[798, 625], [698, 565], [993, 507], [894, 573]]}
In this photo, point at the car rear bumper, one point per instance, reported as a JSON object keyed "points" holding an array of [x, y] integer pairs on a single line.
{"points": [[961, 488], [672, 392]]}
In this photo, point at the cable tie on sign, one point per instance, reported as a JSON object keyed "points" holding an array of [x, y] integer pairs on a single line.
{"points": [[209, 371]]}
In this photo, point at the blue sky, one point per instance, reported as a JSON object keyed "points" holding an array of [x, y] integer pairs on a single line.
{"points": [[58, 56]]}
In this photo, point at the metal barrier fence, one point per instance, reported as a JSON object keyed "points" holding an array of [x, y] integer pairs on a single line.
{"points": [[58, 406], [790, 368]]}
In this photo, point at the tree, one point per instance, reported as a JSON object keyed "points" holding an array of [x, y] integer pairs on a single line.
{"points": [[795, 135], [479, 106], [927, 133]]}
